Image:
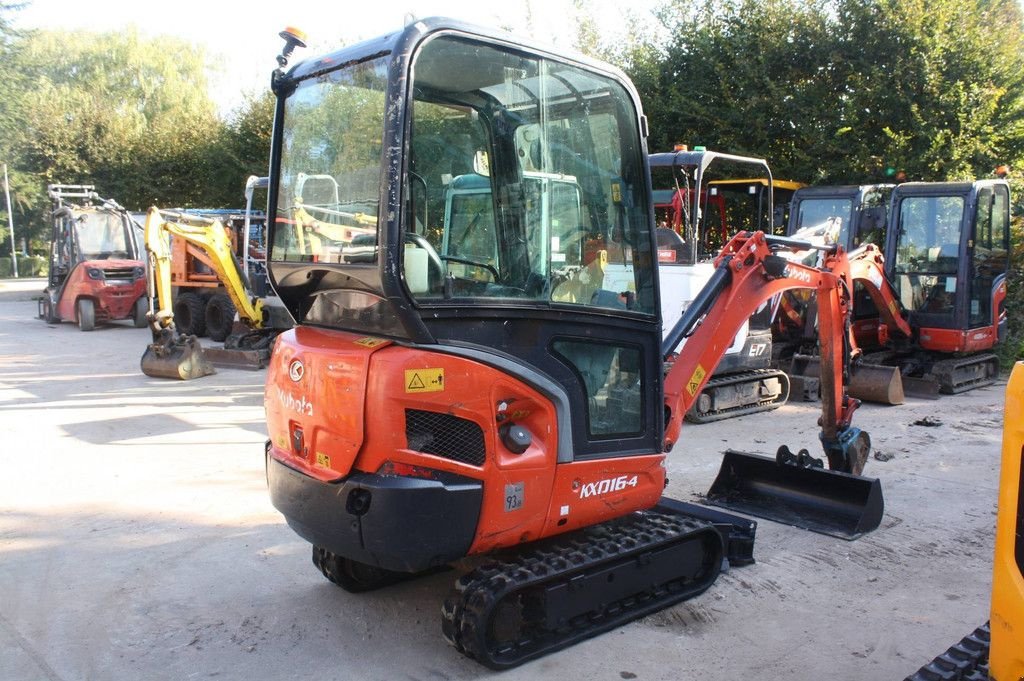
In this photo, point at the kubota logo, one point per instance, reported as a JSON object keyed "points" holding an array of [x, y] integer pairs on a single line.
{"points": [[297, 404], [797, 274], [296, 370]]}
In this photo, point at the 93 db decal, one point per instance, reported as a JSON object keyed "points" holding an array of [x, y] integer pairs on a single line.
{"points": [[514, 496]]}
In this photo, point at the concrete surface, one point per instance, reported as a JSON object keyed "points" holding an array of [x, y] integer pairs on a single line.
{"points": [[137, 542]]}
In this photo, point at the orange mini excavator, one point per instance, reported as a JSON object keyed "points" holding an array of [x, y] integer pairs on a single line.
{"points": [[495, 381]]}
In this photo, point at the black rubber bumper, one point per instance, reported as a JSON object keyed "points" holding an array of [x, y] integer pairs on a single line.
{"points": [[394, 522]]}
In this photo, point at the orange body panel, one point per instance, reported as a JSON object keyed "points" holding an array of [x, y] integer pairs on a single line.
{"points": [[113, 301], [346, 412], [955, 340]]}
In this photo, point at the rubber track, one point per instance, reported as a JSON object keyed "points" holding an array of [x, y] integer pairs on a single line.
{"points": [[964, 661], [473, 608], [947, 370], [693, 416]]}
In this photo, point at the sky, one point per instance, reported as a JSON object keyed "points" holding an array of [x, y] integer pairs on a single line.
{"points": [[241, 39]]}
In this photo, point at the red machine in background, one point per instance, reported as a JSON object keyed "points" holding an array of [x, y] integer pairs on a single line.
{"points": [[933, 308], [437, 401], [96, 274]]}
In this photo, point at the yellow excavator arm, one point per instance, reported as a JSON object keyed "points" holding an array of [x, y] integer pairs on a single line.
{"points": [[211, 238]]}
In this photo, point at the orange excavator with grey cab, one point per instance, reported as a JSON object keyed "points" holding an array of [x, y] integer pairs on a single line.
{"points": [[494, 391]]}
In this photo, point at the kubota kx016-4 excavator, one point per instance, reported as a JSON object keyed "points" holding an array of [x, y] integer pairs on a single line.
{"points": [[430, 406], [173, 354]]}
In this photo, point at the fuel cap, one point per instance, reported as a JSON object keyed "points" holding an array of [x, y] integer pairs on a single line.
{"points": [[516, 438]]}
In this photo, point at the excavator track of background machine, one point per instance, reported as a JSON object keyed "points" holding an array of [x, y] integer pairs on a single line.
{"points": [[580, 585], [734, 395], [961, 374]]}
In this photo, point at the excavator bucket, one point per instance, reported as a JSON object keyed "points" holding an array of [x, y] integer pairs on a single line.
{"points": [[179, 357], [809, 497], [876, 383]]}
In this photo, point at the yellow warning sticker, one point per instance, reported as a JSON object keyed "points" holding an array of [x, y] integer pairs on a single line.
{"points": [[323, 460], [370, 342], [424, 380], [693, 385], [616, 192]]}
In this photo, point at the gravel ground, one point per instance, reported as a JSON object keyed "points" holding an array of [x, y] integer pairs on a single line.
{"points": [[137, 541]]}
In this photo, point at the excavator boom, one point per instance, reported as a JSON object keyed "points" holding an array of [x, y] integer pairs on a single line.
{"points": [[794, 488]]}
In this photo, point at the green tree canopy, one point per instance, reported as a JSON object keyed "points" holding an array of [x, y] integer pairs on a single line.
{"points": [[837, 90]]}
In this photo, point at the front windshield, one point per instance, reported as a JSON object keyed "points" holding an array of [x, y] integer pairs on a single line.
{"points": [[526, 183], [330, 167], [103, 236], [927, 252], [826, 217]]}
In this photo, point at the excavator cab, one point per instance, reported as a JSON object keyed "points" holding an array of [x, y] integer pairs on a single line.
{"points": [[513, 218], [948, 254]]}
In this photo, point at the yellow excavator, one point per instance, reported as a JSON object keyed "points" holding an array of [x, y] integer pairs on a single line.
{"points": [[173, 354], [996, 650]]}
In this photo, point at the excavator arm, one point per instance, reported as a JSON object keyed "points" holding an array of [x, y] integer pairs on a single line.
{"points": [[211, 238], [748, 272], [867, 266]]}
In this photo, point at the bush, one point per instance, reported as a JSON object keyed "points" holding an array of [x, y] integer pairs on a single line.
{"points": [[28, 266]]}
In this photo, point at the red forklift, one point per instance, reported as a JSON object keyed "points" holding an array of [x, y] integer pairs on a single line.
{"points": [[96, 275]]}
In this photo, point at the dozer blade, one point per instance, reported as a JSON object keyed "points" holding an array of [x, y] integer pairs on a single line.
{"points": [[924, 388], [876, 383], [180, 358], [811, 498], [253, 360]]}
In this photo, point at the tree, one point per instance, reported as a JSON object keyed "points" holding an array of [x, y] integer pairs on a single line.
{"points": [[131, 116], [837, 90]]}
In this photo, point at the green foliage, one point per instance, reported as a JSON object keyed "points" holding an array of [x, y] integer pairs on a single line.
{"points": [[131, 116], [30, 266], [834, 91], [1013, 349]]}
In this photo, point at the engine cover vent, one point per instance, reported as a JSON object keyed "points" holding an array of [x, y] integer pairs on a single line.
{"points": [[445, 435]]}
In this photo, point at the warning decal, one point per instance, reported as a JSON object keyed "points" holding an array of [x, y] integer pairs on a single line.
{"points": [[424, 380], [693, 385], [370, 342]]}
